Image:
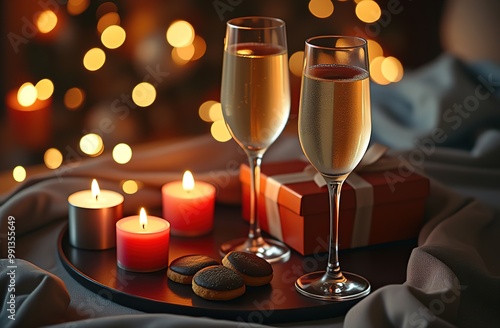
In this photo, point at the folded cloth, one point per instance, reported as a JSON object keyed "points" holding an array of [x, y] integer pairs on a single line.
{"points": [[155, 321], [31, 297], [453, 277], [447, 102]]}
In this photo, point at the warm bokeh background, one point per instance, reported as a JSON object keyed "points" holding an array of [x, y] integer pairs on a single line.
{"points": [[175, 46]]}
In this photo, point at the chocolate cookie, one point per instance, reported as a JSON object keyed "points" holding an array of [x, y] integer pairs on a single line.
{"points": [[255, 270], [182, 269], [218, 283]]}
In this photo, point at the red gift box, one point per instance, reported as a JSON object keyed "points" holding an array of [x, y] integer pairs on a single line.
{"points": [[378, 209]]}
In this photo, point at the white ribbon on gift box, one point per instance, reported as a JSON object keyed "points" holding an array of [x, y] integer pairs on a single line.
{"points": [[363, 191]]}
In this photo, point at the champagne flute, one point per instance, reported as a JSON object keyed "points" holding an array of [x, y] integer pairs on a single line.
{"points": [[334, 132], [255, 98]]}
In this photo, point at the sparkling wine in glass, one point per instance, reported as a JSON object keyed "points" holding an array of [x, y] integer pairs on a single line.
{"points": [[334, 132], [255, 98]]}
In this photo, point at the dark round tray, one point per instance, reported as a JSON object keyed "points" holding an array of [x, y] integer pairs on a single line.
{"points": [[277, 302]]}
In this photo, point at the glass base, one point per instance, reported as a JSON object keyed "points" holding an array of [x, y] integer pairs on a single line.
{"points": [[270, 250], [320, 286]]}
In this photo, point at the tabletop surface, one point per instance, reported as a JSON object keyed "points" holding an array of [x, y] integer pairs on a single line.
{"points": [[277, 302]]}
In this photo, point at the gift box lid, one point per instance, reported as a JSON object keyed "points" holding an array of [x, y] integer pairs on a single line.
{"points": [[306, 198]]}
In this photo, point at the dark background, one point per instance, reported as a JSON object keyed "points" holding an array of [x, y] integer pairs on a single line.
{"points": [[412, 36]]}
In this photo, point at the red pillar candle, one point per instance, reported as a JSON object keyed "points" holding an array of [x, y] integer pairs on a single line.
{"points": [[189, 206], [142, 243], [31, 124]]}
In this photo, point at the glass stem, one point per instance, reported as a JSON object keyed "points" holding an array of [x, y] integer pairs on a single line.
{"points": [[254, 233], [333, 268]]}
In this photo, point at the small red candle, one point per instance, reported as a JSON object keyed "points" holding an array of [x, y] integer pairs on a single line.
{"points": [[142, 243], [189, 206], [30, 121]]}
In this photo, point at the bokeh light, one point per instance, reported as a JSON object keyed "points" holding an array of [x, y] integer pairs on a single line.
{"points": [[200, 47], [27, 94], [180, 34], [321, 8], [374, 50], [296, 62], [46, 21], [108, 19], [52, 158], [186, 53], [204, 110], [92, 144], [215, 112], [130, 187], [376, 71], [178, 60], [105, 8], [76, 7], [113, 36], [122, 153], [144, 94], [219, 131], [392, 69], [368, 11], [19, 173], [94, 59], [44, 89], [74, 98]]}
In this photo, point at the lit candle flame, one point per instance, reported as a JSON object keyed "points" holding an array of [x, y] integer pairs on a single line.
{"points": [[95, 189], [143, 218], [188, 181]]}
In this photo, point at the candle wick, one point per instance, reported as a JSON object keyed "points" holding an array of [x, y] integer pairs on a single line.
{"points": [[96, 198], [143, 226]]}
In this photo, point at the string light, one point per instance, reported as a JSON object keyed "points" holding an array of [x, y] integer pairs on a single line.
{"points": [[130, 187], [392, 69], [76, 7], [178, 60], [200, 47], [46, 21], [374, 50], [321, 8], [186, 53], [52, 158], [94, 59], [27, 94], [113, 36], [296, 62], [19, 173], [219, 131], [180, 34], [44, 89], [105, 8], [122, 153], [376, 71], [74, 98], [368, 11], [144, 94], [111, 18], [215, 112], [92, 144], [204, 110]]}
